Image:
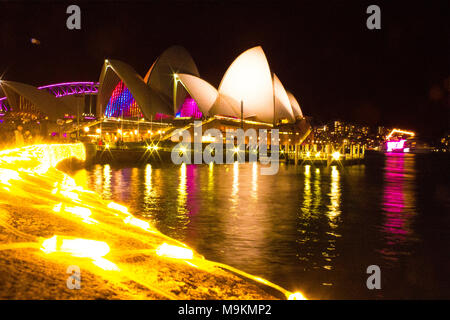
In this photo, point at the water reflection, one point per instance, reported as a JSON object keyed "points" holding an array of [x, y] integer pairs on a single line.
{"points": [[210, 178], [398, 204], [98, 175], [254, 192], [191, 190], [333, 216], [173, 197], [120, 188], [150, 194], [235, 187], [318, 228], [307, 196], [106, 191], [317, 191], [335, 198], [304, 226], [182, 211]]}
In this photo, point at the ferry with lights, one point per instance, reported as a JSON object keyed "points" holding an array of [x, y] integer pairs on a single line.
{"points": [[402, 141]]}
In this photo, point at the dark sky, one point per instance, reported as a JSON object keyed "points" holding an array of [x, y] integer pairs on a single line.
{"points": [[320, 50]]}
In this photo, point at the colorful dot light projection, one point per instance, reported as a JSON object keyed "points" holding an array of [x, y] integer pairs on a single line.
{"points": [[122, 104], [3, 105], [189, 109]]}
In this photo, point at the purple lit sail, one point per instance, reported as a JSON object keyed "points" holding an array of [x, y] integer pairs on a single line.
{"points": [[189, 109]]}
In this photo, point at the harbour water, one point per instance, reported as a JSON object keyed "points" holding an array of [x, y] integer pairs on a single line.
{"points": [[311, 229]]}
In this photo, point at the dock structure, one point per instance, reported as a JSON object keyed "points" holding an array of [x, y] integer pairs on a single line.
{"points": [[297, 154], [322, 154]]}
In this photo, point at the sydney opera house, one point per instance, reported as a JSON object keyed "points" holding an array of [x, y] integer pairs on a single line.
{"points": [[124, 105]]}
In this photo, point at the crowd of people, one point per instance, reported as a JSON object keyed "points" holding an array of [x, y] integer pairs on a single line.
{"points": [[15, 134]]}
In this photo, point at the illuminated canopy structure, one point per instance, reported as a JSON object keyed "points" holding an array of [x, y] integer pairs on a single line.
{"points": [[71, 88], [28, 100]]}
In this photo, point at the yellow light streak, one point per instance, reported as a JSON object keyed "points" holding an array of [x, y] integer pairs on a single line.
{"points": [[6, 175], [81, 248], [297, 296], [81, 212], [137, 222], [118, 207], [170, 251], [77, 247]]}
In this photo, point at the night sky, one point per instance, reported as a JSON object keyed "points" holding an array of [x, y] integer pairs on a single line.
{"points": [[320, 50]]}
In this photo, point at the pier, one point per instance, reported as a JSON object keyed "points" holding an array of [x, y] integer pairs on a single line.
{"points": [[151, 152]]}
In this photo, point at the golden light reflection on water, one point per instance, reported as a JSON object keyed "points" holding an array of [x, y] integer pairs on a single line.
{"points": [[149, 191], [317, 191], [98, 176], [235, 187], [210, 178], [335, 197], [182, 216], [106, 192], [307, 196], [313, 217], [254, 193], [152, 191], [148, 179], [245, 225], [119, 187], [333, 215], [181, 201]]}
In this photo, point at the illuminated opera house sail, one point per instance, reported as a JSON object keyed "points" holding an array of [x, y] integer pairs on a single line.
{"points": [[171, 88], [249, 83]]}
